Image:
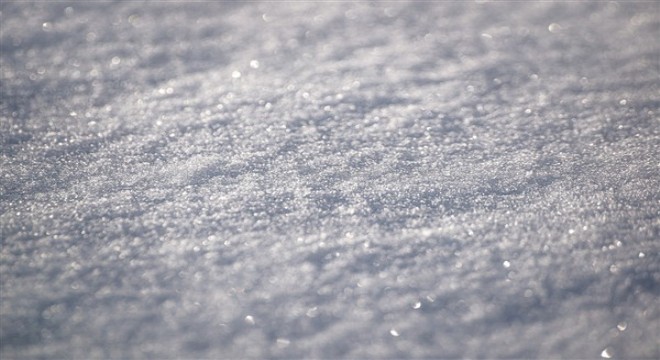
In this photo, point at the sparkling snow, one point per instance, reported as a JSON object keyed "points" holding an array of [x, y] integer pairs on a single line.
{"points": [[329, 179]]}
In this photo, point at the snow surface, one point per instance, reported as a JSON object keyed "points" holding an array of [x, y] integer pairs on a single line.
{"points": [[330, 179]]}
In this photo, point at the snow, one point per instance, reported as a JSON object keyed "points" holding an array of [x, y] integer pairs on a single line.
{"points": [[329, 180]]}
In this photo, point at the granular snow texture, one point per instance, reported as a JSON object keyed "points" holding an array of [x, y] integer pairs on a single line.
{"points": [[330, 180]]}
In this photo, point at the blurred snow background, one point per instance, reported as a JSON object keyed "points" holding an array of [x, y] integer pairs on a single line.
{"points": [[329, 179]]}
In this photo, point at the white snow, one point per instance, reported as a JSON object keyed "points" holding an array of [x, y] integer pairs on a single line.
{"points": [[329, 179]]}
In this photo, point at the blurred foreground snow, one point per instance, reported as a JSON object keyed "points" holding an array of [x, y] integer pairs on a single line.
{"points": [[329, 180]]}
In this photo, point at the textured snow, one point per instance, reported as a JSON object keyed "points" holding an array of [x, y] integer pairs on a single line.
{"points": [[330, 180]]}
